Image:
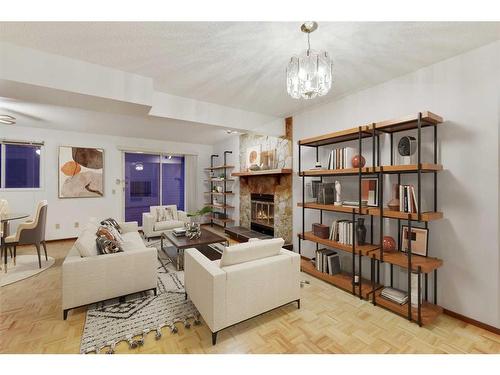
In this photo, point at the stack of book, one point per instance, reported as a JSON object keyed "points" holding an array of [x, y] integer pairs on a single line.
{"points": [[407, 200], [395, 295], [340, 158], [341, 231], [179, 232], [328, 261], [364, 203]]}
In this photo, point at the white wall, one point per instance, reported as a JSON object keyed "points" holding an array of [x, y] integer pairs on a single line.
{"points": [[68, 211], [231, 144], [465, 91]]}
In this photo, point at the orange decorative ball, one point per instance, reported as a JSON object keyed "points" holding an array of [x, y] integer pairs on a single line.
{"points": [[358, 161], [388, 244], [71, 168]]}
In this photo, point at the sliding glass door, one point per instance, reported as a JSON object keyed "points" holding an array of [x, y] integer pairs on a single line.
{"points": [[151, 179], [172, 184]]}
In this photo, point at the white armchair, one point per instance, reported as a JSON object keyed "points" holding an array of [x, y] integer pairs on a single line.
{"points": [[153, 228], [250, 279]]}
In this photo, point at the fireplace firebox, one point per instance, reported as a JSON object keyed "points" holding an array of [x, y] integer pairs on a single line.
{"points": [[262, 213]]}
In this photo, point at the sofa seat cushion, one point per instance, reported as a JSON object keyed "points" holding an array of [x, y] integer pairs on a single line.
{"points": [[169, 224], [248, 251], [132, 241]]}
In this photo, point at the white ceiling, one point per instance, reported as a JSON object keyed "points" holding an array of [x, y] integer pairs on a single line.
{"points": [[242, 65]]}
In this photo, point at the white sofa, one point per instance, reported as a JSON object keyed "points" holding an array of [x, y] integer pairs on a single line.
{"points": [[152, 228], [250, 279], [88, 277]]}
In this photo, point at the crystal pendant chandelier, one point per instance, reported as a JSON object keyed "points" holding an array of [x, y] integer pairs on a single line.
{"points": [[309, 74]]}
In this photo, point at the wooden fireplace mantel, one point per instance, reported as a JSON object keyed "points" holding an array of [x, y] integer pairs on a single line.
{"points": [[266, 172]]}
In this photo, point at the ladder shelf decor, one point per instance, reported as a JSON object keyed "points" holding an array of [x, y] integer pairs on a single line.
{"points": [[219, 217]]}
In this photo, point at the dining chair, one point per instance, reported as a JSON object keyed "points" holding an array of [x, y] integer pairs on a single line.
{"points": [[31, 232], [4, 209]]}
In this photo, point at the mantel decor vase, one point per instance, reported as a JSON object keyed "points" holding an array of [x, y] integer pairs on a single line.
{"points": [[361, 231]]}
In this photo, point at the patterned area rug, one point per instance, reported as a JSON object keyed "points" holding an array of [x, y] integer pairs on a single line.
{"points": [[111, 322]]}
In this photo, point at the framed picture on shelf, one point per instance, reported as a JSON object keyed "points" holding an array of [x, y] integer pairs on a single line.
{"points": [[253, 157], [419, 240], [369, 191]]}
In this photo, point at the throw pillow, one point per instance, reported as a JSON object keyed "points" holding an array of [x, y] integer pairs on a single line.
{"points": [[173, 209], [116, 235], [105, 231], [169, 214], [112, 222], [105, 246], [85, 244], [160, 214]]}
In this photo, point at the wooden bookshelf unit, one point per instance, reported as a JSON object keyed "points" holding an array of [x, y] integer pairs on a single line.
{"points": [[421, 311], [214, 181]]}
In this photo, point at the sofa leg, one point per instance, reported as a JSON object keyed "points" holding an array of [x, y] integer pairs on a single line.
{"points": [[65, 314], [214, 338], [155, 291], [185, 296], [298, 304]]}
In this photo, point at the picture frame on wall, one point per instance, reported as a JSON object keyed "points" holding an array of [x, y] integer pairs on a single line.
{"points": [[81, 172], [369, 191], [419, 240]]}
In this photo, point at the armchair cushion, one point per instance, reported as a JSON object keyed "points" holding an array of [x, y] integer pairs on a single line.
{"points": [[168, 224], [248, 251]]}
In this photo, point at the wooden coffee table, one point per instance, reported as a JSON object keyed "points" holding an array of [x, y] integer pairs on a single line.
{"points": [[182, 243]]}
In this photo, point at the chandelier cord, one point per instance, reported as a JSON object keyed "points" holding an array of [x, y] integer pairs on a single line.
{"points": [[308, 42]]}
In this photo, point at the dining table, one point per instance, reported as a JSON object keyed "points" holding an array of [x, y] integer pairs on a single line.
{"points": [[5, 219]]}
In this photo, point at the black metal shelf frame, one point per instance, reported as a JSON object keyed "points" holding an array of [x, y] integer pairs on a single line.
{"points": [[376, 161], [212, 185]]}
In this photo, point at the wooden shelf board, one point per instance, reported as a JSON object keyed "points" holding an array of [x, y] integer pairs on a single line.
{"points": [[342, 281], [218, 180], [399, 258], [389, 126], [334, 172], [408, 122], [374, 211], [364, 249], [333, 208], [411, 168], [262, 172], [219, 167], [336, 137], [219, 206], [426, 216], [227, 220], [216, 193], [429, 311]]}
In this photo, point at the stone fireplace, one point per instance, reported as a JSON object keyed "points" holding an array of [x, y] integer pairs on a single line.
{"points": [[266, 200]]}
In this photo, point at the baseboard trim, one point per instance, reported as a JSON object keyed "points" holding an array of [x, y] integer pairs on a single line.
{"points": [[471, 321]]}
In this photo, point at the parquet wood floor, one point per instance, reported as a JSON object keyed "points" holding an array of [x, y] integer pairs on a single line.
{"points": [[329, 321]]}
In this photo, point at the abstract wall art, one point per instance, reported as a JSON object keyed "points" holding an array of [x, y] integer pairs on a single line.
{"points": [[81, 172]]}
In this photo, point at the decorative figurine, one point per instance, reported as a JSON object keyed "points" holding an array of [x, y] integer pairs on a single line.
{"points": [[338, 199]]}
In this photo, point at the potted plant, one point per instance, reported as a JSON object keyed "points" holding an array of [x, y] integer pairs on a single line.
{"points": [[193, 229]]}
